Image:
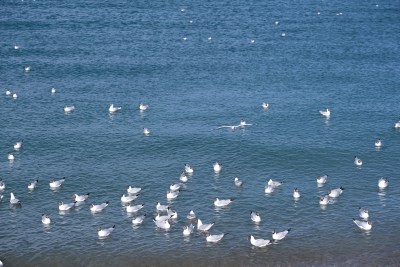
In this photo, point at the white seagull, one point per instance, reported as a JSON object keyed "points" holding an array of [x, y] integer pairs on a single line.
{"points": [[363, 225], [160, 207], [113, 109], [27, 68], [217, 167], [280, 235], [133, 190], [255, 216], [143, 107], [162, 217], [322, 179], [363, 213], [238, 182], [383, 183], [134, 208], [18, 145], [265, 105], [183, 178], [335, 192], [105, 232], [172, 194], [357, 161], [8, 93], [222, 202], [139, 219], [174, 187], [162, 224], [324, 200], [146, 131], [274, 184], [53, 91], [188, 229], [65, 206], [269, 189], [32, 185], [80, 198], [191, 215], [69, 109], [378, 143], [128, 198], [326, 113], [203, 227], [397, 125], [188, 169], [259, 242], [296, 193], [13, 200], [15, 96], [57, 183], [172, 213], [45, 219], [99, 207], [10, 156], [214, 238]]}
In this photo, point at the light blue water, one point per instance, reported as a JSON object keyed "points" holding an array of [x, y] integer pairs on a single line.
{"points": [[127, 52]]}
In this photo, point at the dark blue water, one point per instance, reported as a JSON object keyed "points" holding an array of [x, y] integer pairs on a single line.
{"points": [[346, 58]]}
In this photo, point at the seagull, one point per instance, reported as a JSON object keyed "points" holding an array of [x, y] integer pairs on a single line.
{"points": [[276, 22], [222, 202], [16, 47], [174, 187], [8, 93], [146, 131], [80, 198], [15, 96], [128, 198], [383, 183], [203, 227], [326, 113], [269, 189], [10, 156], [172, 194], [13, 200], [113, 109], [188, 229], [217, 167], [2, 185], [133, 190], [27, 68], [357, 161], [265, 105], [188, 169], [57, 183], [105, 232], [214, 238], [324, 200], [255, 216], [143, 107], [98, 208], [162, 224], [191, 215], [69, 109], [322, 179], [172, 213], [296, 193], [134, 208], [160, 207], [65, 206], [259, 242], [378, 143], [138, 220], [53, 91], [32, 185], [183, 178], [335, 192], [18, 145], [397, 125], [45, 219], [363, 213], [280, 235], [162, 217], [1, 197], [363, 225], [238, 182], [274, 184]]}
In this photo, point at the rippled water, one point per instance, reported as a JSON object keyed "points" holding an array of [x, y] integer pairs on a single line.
{"points": [[126, 52]]}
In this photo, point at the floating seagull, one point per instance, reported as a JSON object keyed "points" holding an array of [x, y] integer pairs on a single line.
{"points": [[252, 41], [133, 190], [255, 216], [322, 179], [160, 207], [1, 197], [53, 91], [2, 185], [326, 113], [363, 225], [188, 169], [259, 242], [191, 215], [324, 200], [162, 217], [172, 213], [134, 208], [397, 124], [363, 213], [162, 224], [16, 47], [69, 109], [214, 238], [188, 229], [183, 178], [378, 143], [143, 107], [128, 198], [217, 167], [296, 193], [172, 194], [80, 198], [276, 22], [274, 184], [222, 202], [138, 220], [98, 208], [10, 156], [15, 96], [357, 161], [174, 187], [280, 235], [105, 232], [32, 185], [335, 192], [65, 206], [383, 183], [203, 227], [45, 219], [8, 93], [264, 105], [18, 145], [269, 189], [13, 200], [238, 182], [57, 183], [113, 109], [146, 131], [27, 68]]}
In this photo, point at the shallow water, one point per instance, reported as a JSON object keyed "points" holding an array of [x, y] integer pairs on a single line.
{"points": [[96, 53]]}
